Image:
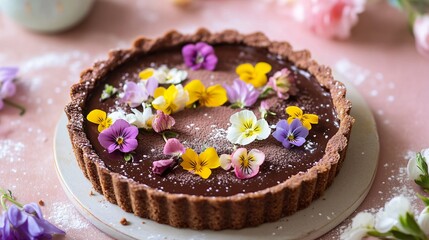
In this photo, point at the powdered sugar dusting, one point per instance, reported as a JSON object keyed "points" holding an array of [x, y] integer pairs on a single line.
{"points": [[11, 151], [65, 216]]}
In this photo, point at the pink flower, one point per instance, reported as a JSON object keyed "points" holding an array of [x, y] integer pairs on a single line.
{"points": [[160, 166], [162, 121], [246, 164], [330, 18], [421, 32], [283, 84], [173, 147]]}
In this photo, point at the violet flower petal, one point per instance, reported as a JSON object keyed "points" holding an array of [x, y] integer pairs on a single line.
{"points": [[298, 141], [7, 89], [210, 62], [130, 132], [300, 132], [295, 124], [204, 49], [151, 86], [129, 145], [34, 228], [8, 73], [280, 134], [15, 216], [33, 208], [160, 166], [283, 125], [286, 143], [112, 147]]}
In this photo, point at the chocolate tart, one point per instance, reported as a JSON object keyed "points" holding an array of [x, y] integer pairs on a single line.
{"points": [[289, 180]]}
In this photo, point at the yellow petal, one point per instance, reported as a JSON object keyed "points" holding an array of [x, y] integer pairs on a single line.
{"points": [[146, 74], [195, 89], [170, 94], [259, 81], [97, 116], [244, 68], [312, 118], [189, 157], [104, 125], [209, 158], [294, 112], [159, 92], [306, 124], [262, 68], [215, 96], [205, 172]]}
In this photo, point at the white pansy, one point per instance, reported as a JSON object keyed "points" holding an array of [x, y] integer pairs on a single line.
{"points": [[413, 170], [423, 220], [388, 217], [120, 114], [182, 97], [170, 76], [361, 224], [246, 128], [142, 119]]}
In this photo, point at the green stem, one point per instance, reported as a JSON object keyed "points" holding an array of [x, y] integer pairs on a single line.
{"points": [[164, 137], [6, 196], [12, 104]]}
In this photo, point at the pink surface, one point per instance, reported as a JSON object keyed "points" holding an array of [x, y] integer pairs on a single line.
{"points": [[380, 59]]}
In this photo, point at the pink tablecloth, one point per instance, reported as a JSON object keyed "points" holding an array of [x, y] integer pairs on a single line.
{"points": [[380, 59]]}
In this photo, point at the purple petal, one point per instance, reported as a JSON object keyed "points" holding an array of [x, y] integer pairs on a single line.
{"points": [[160, 166], [8, 73], [300, 132], [298, 141], [7, 89], [1, 103], [130, 132], [283, 125], [15, 216], [210, 62], [280, 134], [189, 53], [173, 147], [34, 227], [151, 85], [128, 145], [204, 49], [106, 138], [120, 125], [296, 123], [112, 147], [231, 93], [251, 98], [286, 143], [33, 208]]}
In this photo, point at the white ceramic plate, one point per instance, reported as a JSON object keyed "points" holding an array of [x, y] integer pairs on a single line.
{"points": [[339, 201]]}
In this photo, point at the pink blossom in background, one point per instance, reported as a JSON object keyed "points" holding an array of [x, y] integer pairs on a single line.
{"points": [[329, 18], [421, 33]]}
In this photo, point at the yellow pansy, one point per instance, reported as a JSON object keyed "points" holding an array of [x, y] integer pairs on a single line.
{"points": [[255, 75], [200, 164], [99, 117], [306, 119], [146, 74], [170, 100], [213, 96]]}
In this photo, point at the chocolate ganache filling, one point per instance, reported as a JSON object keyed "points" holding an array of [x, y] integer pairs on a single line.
{"points": [[206, 127]]}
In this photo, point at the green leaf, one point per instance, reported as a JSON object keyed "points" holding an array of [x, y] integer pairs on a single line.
{"points": [[424, 199], [128, 157], [409, 223], [267, 91], [403, 236], [377, 234], [170, 134], [423, 182], [421, 164], [108, 92]]}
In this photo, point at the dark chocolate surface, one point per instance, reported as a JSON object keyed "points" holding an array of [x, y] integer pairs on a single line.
{"points": [[206, 127]]}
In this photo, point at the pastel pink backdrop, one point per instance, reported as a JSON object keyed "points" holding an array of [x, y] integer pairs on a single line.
{"points": [[379, 59]]}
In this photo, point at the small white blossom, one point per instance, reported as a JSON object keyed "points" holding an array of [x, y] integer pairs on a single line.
{"points": [[142, 119], [246, 128], [361, 224], [423, 220], [388, 217], [164, 75], [413, 170]]}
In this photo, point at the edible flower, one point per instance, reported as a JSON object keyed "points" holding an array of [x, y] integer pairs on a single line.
{"points": [[170, 100], [255, 75], [306, 119], [146, 74], [200, 55], [264, 109], [165, 75], [283, 84], [417, 168], [246, 164], [162, 121], [246, 128], [108, 92], [8, 87], [241, 94], [362, 223], [119, 136], [142, 119], [20, 221], [225, 161], [161, 166], [200, 164], [136, 93], [99, 117], [290, 135], [175, 149], [213, 96]]}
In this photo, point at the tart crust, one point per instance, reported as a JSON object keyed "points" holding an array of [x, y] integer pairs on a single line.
{"points": [[200, 212]]}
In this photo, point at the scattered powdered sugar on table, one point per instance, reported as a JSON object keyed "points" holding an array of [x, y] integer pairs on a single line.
{"points": [[54, 60], [65, 216], [10, 150]]}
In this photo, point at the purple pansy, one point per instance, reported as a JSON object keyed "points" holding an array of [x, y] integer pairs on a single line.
{"points": [[290, 135], [136, 93], [241, 94], [26, 223], [160, 166], [119, 136], [200, 55], [7, 86]]}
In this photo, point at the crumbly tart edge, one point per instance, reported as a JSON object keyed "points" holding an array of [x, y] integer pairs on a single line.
{"points": [[200, 212]]}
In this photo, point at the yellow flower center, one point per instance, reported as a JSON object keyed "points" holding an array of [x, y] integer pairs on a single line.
{"points": [[291, 137], [119, 140], [199, 59]]}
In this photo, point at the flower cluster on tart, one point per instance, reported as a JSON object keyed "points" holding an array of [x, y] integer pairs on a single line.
{"points": [[209, 130]]}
